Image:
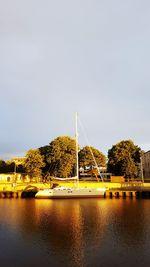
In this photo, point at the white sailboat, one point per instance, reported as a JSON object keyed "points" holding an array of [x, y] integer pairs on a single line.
{"points": [[75, 192]]}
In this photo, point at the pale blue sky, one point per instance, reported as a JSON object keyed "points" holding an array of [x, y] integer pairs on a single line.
{"points": [[58, 57]]}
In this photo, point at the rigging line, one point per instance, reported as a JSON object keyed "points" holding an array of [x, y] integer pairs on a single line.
{"points": [[90, 149]]}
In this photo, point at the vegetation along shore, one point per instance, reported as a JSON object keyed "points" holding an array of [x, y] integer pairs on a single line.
{"points": [[58, 159]]}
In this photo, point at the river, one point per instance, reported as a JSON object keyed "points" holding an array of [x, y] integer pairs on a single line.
{"points": [[74, 233]]}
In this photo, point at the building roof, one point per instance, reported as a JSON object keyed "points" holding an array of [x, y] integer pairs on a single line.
{"points": [[147, 152]]}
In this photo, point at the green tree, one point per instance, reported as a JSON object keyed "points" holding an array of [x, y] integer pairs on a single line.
{"points": [[87, 156], [45, 151], [3, 166], [124, 159], [61, 157], [33, 163], [12, 166]]}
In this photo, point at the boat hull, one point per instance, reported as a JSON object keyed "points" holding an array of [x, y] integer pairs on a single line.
{"points": [[65, 197], [65, 193]]}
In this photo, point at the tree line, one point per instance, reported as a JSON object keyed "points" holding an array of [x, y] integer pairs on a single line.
{"points": [[10, 166], [58, 159]]}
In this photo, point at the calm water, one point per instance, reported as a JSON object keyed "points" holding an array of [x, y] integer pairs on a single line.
{"points": [[86, 232]]}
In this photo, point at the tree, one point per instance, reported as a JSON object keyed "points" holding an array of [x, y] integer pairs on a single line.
{"points": [[89, 155], [124, 159], [45, 151], [61, 157], [33, 163], [3, 166], [15, 165]]}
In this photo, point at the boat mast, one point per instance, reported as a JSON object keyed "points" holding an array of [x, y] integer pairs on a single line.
{"points": [[77, 160]]}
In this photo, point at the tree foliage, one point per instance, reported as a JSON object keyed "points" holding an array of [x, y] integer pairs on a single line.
{"points": [[124, 159], [33, 163], [3, 167], [86, 157], [61, 156], [45, 151], [10, 166]]}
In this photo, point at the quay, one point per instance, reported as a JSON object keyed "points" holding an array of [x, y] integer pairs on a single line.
{"points": [[130, 194], [113, 190], [129, 189]]}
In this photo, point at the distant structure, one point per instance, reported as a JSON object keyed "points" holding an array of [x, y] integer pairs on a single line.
{"points": [[146, 164], [117, 179], [92, 173], [14, 177]]}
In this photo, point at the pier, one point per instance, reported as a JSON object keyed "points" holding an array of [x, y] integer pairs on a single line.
{"points": [[127, 194], [129, 189]]}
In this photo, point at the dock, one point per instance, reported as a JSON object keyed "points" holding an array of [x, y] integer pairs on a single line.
{"points": [[113, 190]]}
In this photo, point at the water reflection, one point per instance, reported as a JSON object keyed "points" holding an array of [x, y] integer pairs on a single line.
{"points": [[75, 232], [129, 222], [69, 226]]}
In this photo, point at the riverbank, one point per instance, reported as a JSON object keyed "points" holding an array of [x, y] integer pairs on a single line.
{"points": [[19, 186], [25, 190]]}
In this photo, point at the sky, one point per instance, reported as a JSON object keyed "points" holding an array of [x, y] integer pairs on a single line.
{"points": [[59, 57]]}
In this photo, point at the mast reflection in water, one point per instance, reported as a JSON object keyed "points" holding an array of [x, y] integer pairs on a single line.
{"points": [[80, 232]]}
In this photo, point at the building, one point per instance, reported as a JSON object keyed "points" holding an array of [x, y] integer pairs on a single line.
{"points": [[13, 177], [94, 174], [117, 179], [146, 164]]}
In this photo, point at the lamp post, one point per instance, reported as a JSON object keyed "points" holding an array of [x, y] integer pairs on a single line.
{"points": [[15, 170]]}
